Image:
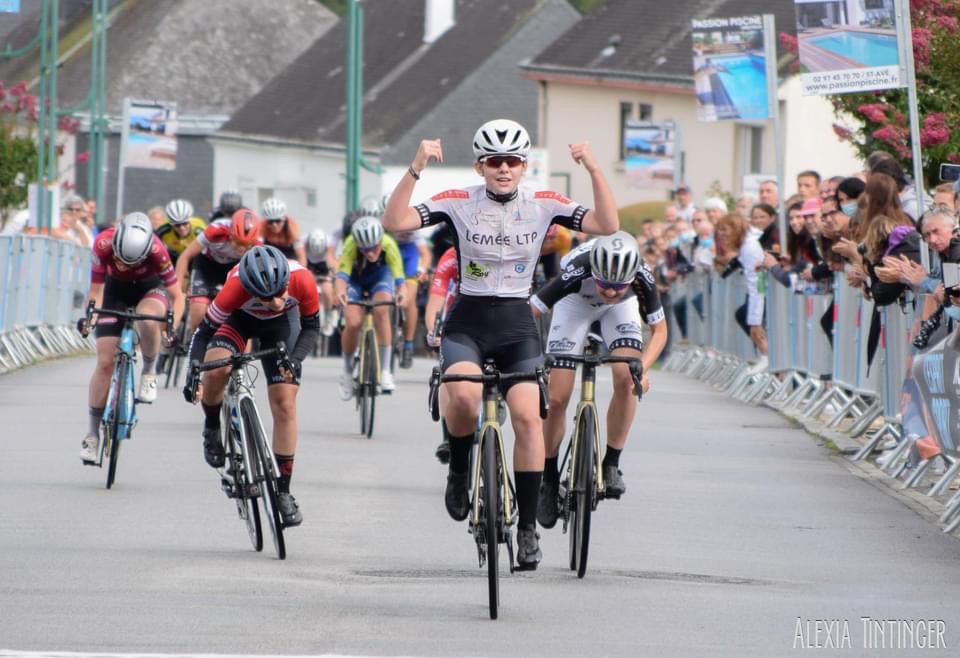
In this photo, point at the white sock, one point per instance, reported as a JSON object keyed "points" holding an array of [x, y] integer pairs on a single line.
{"points": [[348, 364], [385, 357]]}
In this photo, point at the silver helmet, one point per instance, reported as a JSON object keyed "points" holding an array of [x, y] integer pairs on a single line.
{"points": [[615, 258]]}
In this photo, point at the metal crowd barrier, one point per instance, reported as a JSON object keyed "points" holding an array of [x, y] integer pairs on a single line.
{"points": [[833, 392], [43, 282]]}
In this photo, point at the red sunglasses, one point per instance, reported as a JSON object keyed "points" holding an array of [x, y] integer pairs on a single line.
{"points": [[496, 161]]}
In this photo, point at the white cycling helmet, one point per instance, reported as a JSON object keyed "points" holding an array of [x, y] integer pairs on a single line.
{"points": [[367, 232], [370, 207], [274, 208], [179, 211], [615, 258], [501, 137], [316, 245], [132, 239]]}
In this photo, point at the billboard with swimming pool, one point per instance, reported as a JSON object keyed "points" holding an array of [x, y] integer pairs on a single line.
{"points": [[151, 135], [648, 154], [730, 68], [847, 47]]}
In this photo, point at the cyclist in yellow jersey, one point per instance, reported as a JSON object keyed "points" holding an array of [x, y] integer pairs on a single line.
{"points": [[369, 263], [180, 229]]}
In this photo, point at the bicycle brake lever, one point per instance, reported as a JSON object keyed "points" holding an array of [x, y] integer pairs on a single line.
{"points": [[544, 392], [636, 373], [434, 397]]}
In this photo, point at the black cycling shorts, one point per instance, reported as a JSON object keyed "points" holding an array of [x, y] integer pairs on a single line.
{"points": [[207, 276], [122, 295], [498, 328], [241, 327]]}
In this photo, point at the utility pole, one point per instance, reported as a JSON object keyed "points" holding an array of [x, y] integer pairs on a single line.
{"points": [[354, 101]]}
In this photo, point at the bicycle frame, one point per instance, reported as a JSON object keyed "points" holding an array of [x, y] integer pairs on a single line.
{"points": [[588, 380], [126, 405], [490, 421], [365, 329]]}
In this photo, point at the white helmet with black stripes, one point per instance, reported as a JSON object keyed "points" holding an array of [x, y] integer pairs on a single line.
{"points": [[615, 258], [501, 137]]}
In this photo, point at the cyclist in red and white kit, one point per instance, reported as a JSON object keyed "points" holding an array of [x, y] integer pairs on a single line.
{"points": [[212, 255], [131, 268], [254, 303], [499, 230]]}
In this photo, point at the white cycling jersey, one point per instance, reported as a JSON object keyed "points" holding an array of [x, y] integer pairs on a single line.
{"points": [[498, 243]]}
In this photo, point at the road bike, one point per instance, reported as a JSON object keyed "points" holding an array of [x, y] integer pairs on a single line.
{"points": [[120, 410], [250, 470], [493, 509], [582, 486], [366, 384]]}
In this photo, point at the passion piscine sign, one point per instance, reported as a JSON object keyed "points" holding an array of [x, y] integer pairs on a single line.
{"points": [[730, 69], [847, 48]]}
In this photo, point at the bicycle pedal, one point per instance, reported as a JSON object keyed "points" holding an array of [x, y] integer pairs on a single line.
{"points": [[139, 401], [228, 488], [611, 496]]}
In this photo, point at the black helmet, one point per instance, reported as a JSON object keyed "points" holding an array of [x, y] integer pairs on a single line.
{"points": [[264, 271], [230, 202]]}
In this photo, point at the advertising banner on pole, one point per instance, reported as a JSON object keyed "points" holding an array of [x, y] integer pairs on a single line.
{"points": [[10, 6], [730, 69], [151, 135], [846, 47], [648, 154]]}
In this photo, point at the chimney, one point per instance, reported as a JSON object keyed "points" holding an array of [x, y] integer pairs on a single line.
{"points": [[438, 18]]}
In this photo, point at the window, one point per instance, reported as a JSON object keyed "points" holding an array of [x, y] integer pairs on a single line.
{"points": [[646, 112], [756, 150], [874, 4], [311, 198], [626, 114]]}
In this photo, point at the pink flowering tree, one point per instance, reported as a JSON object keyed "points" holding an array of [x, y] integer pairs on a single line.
{"points": [[19, 112], [18, 150], [881, 116]]}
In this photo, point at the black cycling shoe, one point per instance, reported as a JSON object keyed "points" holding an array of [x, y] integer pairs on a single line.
{"points": [[456, 497], [443, 452], [406, 359], [289, 510], [548, 507], [613, 480], [528, 549], [213, 450]]}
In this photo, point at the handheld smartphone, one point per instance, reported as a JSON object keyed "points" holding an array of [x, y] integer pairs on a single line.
{"points": [[949, 173]]}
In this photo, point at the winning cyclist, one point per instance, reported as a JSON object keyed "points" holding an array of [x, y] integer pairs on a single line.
{"points": [[370, 264], [212, 255], [180, 229], [603, 280], [253, 304], [280, 230], [131, 268], [317, 254], [499, 229]]}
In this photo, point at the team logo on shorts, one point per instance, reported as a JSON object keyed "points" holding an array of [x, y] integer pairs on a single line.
{"points": [[562, 345], [629, 327], [519, 267]]}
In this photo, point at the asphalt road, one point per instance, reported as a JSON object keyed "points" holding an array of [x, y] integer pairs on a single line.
{"points": [[735, 526]]}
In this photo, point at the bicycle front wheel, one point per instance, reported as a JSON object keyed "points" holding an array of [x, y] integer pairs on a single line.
{"points": [[259, 450], [240, 463], [490, 509], [370, 376], [118, 414], [582, 491]]}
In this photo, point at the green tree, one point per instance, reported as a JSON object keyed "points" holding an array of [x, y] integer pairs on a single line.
{"points": [[18, 150]]}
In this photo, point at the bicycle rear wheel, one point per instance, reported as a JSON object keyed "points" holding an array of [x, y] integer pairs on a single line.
{"points": [[265, 475], [370, 376], [240, 462], [582, 491], [118, 415], [490, 510]]}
